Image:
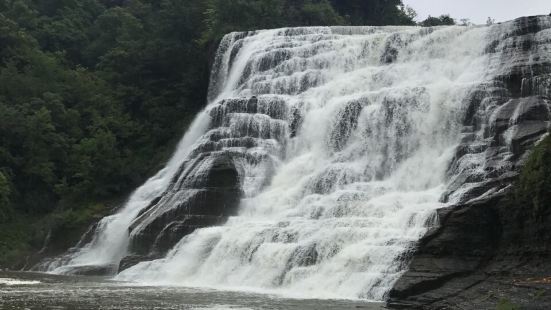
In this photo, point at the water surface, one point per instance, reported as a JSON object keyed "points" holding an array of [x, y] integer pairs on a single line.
{"points": [[20, 290]]}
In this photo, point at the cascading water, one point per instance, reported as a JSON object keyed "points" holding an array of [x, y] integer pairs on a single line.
{"points": [[340, 139], [110, 241], [380, 112]]}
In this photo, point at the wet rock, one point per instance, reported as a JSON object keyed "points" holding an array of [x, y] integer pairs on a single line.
{"points": [[173, 232], [484, 251], [296, 122], [487, 246], [207, 188], [94, 270], [132, 260], [206, 196], [467, 237], [345, 123], [505, 117]]}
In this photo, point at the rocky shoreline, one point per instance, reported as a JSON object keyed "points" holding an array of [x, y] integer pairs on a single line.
{"points": [[484, 252]]}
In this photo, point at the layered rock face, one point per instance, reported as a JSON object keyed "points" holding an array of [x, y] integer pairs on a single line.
{"points": [[486, 243], [507, 115], [209, 186], [208, 192], [483, 252]]}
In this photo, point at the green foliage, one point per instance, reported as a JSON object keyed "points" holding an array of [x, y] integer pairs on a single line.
{"points": [[534, 186], [539, 294], [505, 304], [67, 226], [24, 235], [46, 112], [319, 13], [443, 20], [14, 241], [5, 192], [374, 12], [224, 16]]}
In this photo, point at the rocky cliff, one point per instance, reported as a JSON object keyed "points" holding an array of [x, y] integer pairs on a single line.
{"points": [[495, 246]]}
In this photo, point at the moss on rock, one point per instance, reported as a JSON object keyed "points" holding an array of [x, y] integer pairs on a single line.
{"points": [[534, 185]]}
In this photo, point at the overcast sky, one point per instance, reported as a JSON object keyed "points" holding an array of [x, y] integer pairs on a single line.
{"points": [[478, 11]]}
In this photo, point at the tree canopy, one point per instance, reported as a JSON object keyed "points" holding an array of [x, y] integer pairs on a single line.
{"points": [[442, 20]]}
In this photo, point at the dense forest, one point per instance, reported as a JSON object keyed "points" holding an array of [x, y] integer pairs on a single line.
{"points": [[94, 94]]}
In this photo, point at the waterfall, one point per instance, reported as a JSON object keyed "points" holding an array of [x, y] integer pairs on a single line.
{"points": [[371, 118], [318, 164]]}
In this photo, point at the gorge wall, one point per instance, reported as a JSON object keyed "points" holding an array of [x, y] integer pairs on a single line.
{"points": [[327, 153], [493, 246]]}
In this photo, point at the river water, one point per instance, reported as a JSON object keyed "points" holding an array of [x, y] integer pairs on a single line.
{"points": [[20, 290]]}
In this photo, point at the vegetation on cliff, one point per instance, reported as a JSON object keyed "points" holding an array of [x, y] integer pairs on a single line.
{"points": [[533, 190]]}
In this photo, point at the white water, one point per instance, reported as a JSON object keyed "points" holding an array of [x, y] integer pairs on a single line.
{"points": [[110, 242], [14, 282], [352, 192]]}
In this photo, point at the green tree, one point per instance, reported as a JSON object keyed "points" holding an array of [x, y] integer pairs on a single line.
{"points": [[534, 186], [443, 20], [224, 16], [375, 12], [5, 192], [319, 13]]}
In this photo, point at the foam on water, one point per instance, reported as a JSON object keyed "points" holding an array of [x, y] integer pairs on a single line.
{"points": [[14, 282]]}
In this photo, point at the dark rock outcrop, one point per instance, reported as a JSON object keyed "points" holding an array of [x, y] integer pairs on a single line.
{"points": [[95, 270], [489, 246], [507, 115], [131, 260], [208, 187], [483, 252], [465, 241], [345, 123], [208, 193]]}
